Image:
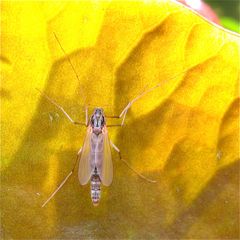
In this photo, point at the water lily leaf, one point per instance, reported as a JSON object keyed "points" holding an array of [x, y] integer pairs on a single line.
{"points": [[184, 134]]}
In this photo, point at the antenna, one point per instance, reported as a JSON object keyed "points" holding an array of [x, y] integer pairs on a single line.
{"points": [[66, 56], [69, 60], [172, 77], [160, 84]]}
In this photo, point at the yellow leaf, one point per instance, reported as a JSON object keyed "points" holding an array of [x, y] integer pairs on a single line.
{"points": [[184, 134]]}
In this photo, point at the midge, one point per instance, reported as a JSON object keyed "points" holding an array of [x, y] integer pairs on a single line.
{"points": [[95, 154], [95, 159]]}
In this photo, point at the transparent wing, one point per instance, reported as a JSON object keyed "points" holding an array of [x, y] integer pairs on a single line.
{"points": [[106, 171], [85, 169]]}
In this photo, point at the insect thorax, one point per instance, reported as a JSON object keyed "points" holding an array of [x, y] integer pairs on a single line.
{"points": [[97, 120]]}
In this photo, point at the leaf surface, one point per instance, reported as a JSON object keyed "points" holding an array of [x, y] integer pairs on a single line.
{"points": [[184, 134]]}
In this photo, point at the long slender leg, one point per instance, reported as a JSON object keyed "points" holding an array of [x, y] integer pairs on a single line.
{"points": [[64, 181], [111, 116], [125, 110], [61, 108], [128, 165], [114, 125]]}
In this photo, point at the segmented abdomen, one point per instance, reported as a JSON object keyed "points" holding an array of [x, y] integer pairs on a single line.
{"points": [[95, 188]]}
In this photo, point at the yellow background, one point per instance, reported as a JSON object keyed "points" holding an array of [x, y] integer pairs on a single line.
{"points": [[185, 134]]}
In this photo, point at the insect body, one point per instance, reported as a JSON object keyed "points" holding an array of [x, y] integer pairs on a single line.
{"points": [[95, 159]]}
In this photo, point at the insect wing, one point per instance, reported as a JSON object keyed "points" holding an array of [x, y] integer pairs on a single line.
{"points": [[85, 169], [106, 172]]}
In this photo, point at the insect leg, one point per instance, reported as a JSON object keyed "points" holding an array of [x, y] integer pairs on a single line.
{"points": [[114, 125], [60, 108], [125, 110], [64, 181], [112, 116], [128, 165]]}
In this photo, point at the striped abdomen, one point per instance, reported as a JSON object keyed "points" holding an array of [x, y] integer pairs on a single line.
{"points": [[95, 188]]}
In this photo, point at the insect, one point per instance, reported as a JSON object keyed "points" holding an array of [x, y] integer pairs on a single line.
{"points": [[94, 157]]}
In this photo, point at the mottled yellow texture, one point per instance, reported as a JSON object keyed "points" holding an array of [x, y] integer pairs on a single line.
{"points": [[185, 134]]}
